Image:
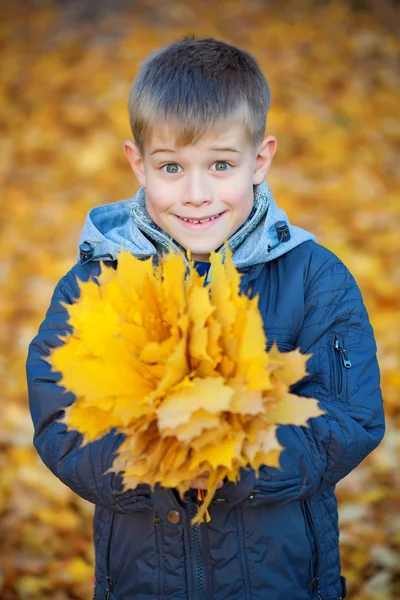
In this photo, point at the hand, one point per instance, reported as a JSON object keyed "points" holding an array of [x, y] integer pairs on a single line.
{"points": [[200, 483]]}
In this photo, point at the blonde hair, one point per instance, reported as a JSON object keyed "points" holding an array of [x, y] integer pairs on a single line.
{"points": [[194, 85]]}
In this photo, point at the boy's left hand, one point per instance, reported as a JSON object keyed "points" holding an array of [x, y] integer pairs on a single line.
{"points": [[200, 483]]}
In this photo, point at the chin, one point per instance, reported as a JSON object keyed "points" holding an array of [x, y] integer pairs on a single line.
{"points": [[199, 252], [203, 251]]}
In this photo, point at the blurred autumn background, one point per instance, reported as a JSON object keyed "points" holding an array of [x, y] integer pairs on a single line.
{"points": [[66, 68]]}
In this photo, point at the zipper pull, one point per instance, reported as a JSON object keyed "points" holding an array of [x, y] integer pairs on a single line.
{"points": [[108, 592], [316, 588], [345, 358]]}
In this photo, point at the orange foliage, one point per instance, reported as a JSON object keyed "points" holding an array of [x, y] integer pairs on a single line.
{"points": [[63, 93], [181, 370]]}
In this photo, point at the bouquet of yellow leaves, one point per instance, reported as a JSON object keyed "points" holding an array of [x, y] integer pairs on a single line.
{"points": [[181, 369]]}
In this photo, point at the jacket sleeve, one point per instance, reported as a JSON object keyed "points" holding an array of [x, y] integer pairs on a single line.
{"points": [[344, 376], [80, 468]]}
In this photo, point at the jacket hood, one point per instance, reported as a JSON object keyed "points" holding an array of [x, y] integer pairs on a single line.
{"points": [[126, 225]]}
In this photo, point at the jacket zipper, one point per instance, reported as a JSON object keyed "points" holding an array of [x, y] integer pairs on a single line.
{"points": [[344, 362], [198, 557], [108, 575], [316, 590]]}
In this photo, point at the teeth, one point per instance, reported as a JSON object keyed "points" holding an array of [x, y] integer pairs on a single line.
{"points": [[200, 221]]}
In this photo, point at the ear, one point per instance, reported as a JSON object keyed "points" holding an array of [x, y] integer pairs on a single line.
{"points": [[265, 154], [135, 159]]}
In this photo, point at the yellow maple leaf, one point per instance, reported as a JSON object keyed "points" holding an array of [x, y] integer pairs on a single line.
{"points": [[181, 369], [210, 394], [291, 365], [200, 420], [293, 410]]}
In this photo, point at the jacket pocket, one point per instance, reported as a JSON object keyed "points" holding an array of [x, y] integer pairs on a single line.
{"points": [[340, 364], [131, 557]]}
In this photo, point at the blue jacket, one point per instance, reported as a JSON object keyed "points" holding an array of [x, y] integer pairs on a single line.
{"points": [[275, 537]]}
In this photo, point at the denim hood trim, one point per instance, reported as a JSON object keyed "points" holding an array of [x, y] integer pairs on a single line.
{"points": [[126, 225]]}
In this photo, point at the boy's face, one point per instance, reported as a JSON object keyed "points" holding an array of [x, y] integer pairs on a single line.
{"points": [[210, 181]]}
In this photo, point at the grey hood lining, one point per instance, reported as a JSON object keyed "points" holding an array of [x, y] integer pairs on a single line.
{"points": [[163, 242], [126, 225]]}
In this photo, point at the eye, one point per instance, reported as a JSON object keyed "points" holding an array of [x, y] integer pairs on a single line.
{"points": [[221, 165], [171, 168]]}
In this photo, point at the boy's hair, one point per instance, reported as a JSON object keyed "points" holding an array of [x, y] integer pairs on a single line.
{"points": [[194, 85]]}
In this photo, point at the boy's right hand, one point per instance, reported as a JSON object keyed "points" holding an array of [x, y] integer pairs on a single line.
{"points": [[200, 483]]}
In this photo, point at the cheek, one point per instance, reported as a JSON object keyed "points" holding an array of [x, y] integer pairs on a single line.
{"points": [[158, 199], [238, 190], [240, 202]]}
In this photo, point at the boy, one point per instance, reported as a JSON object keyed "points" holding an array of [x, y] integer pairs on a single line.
{"points": [[198, 112]]}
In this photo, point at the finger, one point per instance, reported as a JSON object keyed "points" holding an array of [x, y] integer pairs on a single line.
{"points": [[199, 484], [202, 484]]}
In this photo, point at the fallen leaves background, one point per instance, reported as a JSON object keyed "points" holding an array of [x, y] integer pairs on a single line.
{"points": [[65, 75]]}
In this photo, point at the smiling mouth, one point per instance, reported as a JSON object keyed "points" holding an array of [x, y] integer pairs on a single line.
{"points": [[197, 221]]}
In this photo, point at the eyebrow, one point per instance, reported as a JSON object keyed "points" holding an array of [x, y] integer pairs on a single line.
{"points": [[219, 149], [162, 150], [223, 149]]}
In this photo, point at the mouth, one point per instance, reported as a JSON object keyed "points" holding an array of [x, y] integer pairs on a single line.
{"points": [[200, 223]]}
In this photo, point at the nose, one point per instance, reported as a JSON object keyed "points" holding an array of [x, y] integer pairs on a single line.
{"points": [[197, 190]]}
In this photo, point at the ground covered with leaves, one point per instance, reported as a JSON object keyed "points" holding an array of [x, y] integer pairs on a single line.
{"points": [[65, 76]]}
